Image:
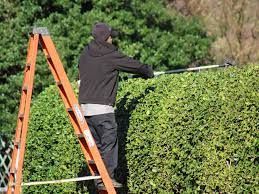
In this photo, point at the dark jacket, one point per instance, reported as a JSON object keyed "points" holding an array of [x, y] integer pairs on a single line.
{"points": [[99, 65]]}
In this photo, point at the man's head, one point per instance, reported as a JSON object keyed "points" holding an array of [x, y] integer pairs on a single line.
{"points": [[103, 32]]}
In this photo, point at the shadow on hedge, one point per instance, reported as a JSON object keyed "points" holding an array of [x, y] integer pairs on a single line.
{"points": [[123, 114]]}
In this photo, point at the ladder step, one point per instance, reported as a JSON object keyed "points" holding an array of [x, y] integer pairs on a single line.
{"points": [[21, 116], [25, 88], [69, 110], [17, 143], [91, 162], [59, 83], [81, 135], [13, 171]]}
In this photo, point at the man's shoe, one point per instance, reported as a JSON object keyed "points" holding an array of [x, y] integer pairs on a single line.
{"points": [[116, 184], [101, 186]]}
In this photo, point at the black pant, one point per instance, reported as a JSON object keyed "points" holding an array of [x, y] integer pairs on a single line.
{"points": [[104, 130]]}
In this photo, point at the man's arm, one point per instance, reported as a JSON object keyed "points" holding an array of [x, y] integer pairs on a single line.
{"points": [[130, 65]]}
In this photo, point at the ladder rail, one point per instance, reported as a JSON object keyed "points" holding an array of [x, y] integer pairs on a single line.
{"points": [[73, 102], [19, 122], [23, 96], [20, 137], [72, 118]]}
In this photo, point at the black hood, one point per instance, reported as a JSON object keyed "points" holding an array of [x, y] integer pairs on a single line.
{"points": [[99, 48]]}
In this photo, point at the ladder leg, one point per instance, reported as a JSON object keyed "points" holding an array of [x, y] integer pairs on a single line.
{"points": [[15, 177], [75, 112], [72, 117]]}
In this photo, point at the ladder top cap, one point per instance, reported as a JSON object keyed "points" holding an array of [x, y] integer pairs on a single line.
{"points": [[40, 30]]}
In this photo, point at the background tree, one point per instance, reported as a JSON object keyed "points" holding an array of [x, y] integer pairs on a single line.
{"points": [[148, 33], [233, 22]]}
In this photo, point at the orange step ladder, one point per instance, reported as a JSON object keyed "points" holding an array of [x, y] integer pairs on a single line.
{"points": [[82, 131]]}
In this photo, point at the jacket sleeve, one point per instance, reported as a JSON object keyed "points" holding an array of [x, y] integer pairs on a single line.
{"points": [[130, 65]]}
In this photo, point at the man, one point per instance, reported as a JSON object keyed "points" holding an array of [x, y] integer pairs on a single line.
{"points": [[99, 65]]}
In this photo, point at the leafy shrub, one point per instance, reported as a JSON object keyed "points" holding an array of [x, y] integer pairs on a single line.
{"points": [[184, 133], [192, 132], [148, 33], [53, 150]]}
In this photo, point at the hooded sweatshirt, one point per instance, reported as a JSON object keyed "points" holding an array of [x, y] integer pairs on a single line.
{"points": [[99, 66]]}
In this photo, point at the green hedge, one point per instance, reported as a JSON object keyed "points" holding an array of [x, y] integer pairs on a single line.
{"points": [[52, 149], [184, 133]]}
